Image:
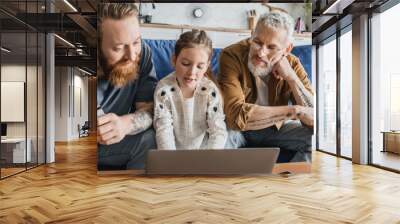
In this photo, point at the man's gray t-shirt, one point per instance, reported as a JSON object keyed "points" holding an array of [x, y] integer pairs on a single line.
{"points": [[122, 100]]}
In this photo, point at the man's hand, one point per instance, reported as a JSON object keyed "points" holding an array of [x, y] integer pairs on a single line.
{"points": [[283, 70], [305, 115], [111, 128]]}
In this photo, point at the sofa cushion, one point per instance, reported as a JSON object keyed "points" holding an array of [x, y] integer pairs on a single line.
{"points": [[162, 51]]}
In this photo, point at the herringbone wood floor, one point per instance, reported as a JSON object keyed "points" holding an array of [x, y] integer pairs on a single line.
{"points": [[70, 191]]}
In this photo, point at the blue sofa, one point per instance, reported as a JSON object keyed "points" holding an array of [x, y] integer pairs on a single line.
{"points": [[162, 51]]}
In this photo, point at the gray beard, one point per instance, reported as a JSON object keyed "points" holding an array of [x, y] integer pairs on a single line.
{"points": [[259, 71]]}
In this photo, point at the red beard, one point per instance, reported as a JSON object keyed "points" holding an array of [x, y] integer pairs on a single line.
{"points": [[123, 72]]}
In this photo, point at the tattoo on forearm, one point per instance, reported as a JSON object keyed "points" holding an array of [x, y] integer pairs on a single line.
{"points": [[140, 121]]}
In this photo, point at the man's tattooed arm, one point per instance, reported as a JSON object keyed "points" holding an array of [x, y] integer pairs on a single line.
{"points": [[301, 95], [141, 119]]}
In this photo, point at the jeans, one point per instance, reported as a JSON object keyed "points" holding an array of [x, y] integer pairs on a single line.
{"points": [[129, 153], [293, 139]]}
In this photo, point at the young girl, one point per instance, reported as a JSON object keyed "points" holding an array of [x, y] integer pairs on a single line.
{"points": [[188, 110]]}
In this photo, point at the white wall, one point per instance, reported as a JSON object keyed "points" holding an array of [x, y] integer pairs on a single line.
{"points": [[79, 117], [69, 82], [61, 103], [216, 15], [227, 15], [33, 127], [14, 73], [17, 73]]}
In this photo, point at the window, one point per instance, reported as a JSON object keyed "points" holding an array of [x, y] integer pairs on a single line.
{"points": [[385, 86], [22, 74], [346, 75], [327, 97]]}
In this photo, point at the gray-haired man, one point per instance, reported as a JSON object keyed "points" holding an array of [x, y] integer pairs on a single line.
{"points": [[259, 78]]}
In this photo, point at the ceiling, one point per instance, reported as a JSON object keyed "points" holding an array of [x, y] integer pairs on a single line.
{"points": [[75, 21], [328, 16], [72, 20]]}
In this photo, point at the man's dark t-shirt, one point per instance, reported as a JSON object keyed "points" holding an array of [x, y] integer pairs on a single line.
{"points": [[129, 153], [122, 100]]}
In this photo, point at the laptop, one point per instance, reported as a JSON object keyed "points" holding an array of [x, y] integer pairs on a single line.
{"points": [[211, 162]]}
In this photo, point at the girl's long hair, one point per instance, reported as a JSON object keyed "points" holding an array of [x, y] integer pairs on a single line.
{"points": [[195, 38]]}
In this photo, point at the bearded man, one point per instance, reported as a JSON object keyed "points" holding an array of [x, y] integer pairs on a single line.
{"points": [[125, 88], [267, 94]]}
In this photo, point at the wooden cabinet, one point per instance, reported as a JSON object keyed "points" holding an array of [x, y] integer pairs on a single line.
{"points": [[391, 142]]}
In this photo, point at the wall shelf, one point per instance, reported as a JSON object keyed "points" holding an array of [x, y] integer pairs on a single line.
{"points": [[299, 38]]}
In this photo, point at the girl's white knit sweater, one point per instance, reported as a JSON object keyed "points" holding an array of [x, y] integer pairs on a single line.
{"points": [[176, 128]]}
